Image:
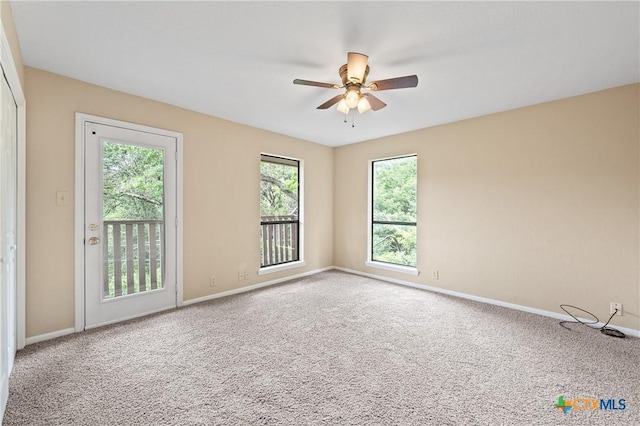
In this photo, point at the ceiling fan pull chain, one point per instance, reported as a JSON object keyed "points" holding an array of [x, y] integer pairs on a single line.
{"points": [[353, 120], [345, 116]]}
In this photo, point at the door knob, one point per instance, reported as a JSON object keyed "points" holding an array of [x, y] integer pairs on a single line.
{"points": [[93, 241]]}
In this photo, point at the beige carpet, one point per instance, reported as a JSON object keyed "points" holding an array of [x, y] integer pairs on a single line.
{"points": [[332, 348]]}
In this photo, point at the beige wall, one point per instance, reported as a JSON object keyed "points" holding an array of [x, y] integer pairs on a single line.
{"points": [[221, 193], [12, 37], [537, 206]]}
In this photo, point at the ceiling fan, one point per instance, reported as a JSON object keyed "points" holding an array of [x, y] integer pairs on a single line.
{"points": [[354, 75]]}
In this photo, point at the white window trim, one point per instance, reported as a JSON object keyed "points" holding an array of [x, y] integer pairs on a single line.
{"points": [[300, 262], [403, 269], [281, 267], [410, 270]]}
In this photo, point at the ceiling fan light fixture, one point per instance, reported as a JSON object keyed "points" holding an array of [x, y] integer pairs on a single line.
{"points": [[352, 97], [342, 107], [363, 105]]}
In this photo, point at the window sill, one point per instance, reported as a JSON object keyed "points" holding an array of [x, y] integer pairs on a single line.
{"points": [[409, 270], [282, 267]]}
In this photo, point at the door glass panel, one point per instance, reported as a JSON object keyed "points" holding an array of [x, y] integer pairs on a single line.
{"points": [[133, 219]]}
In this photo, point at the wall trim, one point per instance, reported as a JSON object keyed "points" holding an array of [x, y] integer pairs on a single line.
{"points": [[254, 287], [9, 67], [18, 302], [409, 270], [71, 330], [48, 336], [628, 331], [563, 317], [281, 267]]}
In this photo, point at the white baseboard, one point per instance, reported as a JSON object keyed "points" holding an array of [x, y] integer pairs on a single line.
{"points": [[49, 336], [253, 287], [562, 317], [66, 331], [550, 314]]}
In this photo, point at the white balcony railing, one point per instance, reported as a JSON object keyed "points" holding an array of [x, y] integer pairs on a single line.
{"points": [[279, 240], [133, 256]]}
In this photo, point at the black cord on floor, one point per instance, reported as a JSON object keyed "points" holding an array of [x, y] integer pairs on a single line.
{"points": [[604, 329]]}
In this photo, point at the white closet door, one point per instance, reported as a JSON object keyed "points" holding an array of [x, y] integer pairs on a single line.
{"points": [[8, 234]]}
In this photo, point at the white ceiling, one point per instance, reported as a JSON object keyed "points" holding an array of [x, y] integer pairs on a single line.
{"points": [[237, 60]]}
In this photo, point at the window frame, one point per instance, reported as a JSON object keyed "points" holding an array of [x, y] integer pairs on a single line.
{"points": [[291, 161], [405, 269]]}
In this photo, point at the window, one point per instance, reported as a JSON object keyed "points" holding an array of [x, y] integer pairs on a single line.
{"points": [[279, 211], [393, 211]]}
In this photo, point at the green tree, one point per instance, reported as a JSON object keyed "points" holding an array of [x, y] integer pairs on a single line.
{"points": [[394, 200], [278, 189], [133, 182]]}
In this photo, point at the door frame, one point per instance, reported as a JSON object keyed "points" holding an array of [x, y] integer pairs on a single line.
{"points": [[8, 67], [11, 72], [79, 191]]}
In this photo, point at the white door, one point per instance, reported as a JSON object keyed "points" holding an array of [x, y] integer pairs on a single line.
{"points": [[130, 223], [8, 235]]}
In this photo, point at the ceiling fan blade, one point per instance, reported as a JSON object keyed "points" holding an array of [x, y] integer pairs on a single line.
{"points": [[356, 66], [331, 102], [375, 103], [315, 83], [395, 83]]}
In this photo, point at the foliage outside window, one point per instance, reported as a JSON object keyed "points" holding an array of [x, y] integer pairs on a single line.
{"points": [[394, 219], [133, 218], [133, 182], [279, 210]]}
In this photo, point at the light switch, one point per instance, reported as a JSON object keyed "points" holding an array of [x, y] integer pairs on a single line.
{"points": [[62, 198]]}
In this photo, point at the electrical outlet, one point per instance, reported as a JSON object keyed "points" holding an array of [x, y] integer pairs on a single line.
{"points": [[246, 275], [212, 281], [240, 275], [435, 275], [614, 306]]}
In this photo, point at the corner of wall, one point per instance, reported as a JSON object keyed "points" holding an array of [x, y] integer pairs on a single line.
{"points": [[12, 36]]}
